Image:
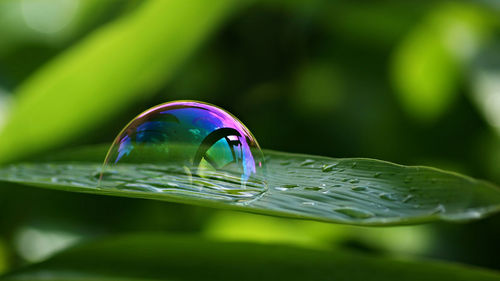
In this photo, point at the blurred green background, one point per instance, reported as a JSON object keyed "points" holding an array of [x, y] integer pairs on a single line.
{"points": [[412, 82]]}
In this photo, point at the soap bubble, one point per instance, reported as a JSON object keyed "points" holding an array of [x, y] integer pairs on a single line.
{"points": [[189, 147]]}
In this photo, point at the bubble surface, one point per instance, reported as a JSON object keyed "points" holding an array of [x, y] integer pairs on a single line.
{"points": [[189, 147]]}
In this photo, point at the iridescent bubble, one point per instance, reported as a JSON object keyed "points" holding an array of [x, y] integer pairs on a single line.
{"points": [[186, 147]]}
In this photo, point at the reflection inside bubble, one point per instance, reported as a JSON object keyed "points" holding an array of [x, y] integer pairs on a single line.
{"points": [[186, 146]]}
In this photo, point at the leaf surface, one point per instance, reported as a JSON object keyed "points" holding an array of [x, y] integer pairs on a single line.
{"points": [[351, 191]]}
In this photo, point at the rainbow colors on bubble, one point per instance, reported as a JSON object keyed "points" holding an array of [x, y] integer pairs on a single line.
{"points": [[190, 140]]}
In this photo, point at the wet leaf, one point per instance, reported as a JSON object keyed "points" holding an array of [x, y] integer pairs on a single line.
{"points": [[351, 191]]}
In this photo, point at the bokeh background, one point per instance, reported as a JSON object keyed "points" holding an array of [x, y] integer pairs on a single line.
{"points": [[412, 82]]}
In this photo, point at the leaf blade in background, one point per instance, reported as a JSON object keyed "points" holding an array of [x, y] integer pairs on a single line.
{"points": [[429, 63], [163, 257], [105, 72], [350, 191]]}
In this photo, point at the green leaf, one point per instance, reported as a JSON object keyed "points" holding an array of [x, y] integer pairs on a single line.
{"points": [[429, 62], [163, 257], [112, 68], [351, 191]]}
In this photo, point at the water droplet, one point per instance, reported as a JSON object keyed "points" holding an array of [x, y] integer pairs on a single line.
{"points": [[354, 212], [200, 146], [354, 181], [377, 175], [344, 179], [328, 168], [308, 203], [473, 214], [307, 162], [440, 208], [358, 188], [354, 164], [387, 196], [313, 188], [288, 186], [407, 198]]}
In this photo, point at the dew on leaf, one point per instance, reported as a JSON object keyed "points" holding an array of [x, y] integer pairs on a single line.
{"points": [[354, 212], [439, 209], [327, 168], [290, 186], [387, 196], [313, 188], [407, 198], [307, 162]]}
